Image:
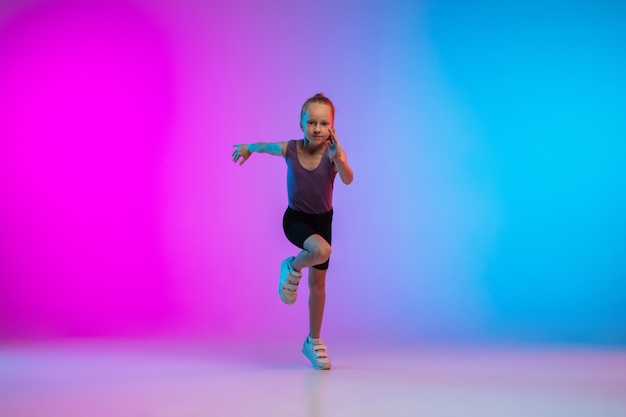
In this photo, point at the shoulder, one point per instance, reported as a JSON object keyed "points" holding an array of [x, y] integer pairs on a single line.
{"points": [[290, 146], [284, 146]]}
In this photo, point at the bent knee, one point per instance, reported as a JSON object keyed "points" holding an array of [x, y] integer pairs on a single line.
{"points": [[319, 248], [322, 252]]}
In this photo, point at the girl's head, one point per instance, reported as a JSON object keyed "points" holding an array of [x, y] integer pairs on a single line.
{"points": [[318, 98], [316, 119]]}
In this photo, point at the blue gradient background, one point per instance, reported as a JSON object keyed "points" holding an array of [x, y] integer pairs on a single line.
{"points": [[487, 141]]}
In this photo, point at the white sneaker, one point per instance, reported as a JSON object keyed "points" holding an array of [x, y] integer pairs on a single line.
{"points": [[288, 283], [315, 351]]}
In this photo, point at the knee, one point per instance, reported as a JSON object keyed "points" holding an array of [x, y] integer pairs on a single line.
{"points": [[322, 252]]}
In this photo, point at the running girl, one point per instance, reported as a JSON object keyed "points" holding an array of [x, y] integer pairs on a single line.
{"points": [[312, 164]]}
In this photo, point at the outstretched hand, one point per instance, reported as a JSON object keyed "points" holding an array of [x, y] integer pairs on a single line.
{"points": [[241, 151]]}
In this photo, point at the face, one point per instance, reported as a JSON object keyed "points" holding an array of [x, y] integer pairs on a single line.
{"points": [[316, 123]]}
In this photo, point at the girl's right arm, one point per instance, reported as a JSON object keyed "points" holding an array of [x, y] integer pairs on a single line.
{"points": [[244, 150]]}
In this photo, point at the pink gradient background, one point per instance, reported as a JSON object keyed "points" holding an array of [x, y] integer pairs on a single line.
{"points": [[122, 213]]}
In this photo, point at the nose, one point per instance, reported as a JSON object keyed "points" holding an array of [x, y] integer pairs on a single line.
{"points": [[316, 128]]}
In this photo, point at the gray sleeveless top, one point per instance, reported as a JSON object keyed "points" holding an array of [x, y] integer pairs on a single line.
{"points": [[309, 191]]}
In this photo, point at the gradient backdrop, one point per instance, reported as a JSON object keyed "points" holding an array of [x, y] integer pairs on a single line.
{"points": [[488, 141]]}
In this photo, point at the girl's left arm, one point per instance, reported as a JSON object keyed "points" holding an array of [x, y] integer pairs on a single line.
{"points": [[340, 159], [345, 172]]}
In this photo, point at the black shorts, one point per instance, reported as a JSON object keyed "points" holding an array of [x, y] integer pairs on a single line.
{"points": [[299, 226]]}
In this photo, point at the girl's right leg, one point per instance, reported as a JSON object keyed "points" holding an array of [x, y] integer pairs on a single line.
{"points": [[316, 251]]}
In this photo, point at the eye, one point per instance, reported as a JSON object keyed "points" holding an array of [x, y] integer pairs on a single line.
{"points": [[310, 122], [324, 123]]}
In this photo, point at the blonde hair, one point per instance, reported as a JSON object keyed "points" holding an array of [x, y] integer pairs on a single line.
{"points": [[318, 98]]}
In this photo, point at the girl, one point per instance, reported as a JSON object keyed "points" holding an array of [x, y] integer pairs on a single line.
{"points": [[312, 164]]}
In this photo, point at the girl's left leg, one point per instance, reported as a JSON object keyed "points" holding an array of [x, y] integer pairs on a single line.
{"points": [[313, 347], [317, 299]]}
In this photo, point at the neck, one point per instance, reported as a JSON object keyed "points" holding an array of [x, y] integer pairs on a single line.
{"points": [[310, 148]]}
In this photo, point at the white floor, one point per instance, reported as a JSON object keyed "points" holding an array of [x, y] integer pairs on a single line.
{"points": [[103, 378]]}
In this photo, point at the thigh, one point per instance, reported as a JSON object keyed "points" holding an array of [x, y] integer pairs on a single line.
{"points": [[297, 228], [308, 231]]}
